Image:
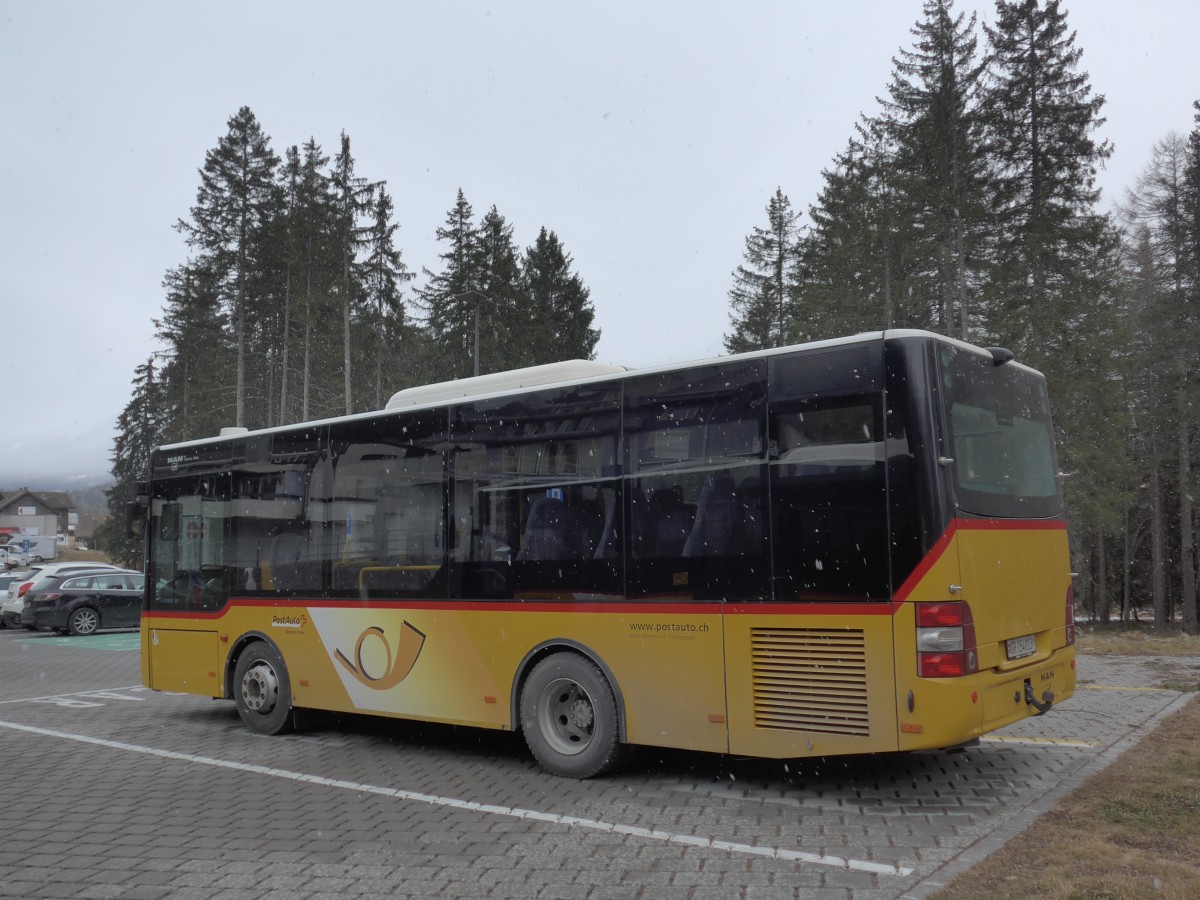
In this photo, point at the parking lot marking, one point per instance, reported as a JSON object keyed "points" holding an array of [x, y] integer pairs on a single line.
{"points": [[55, 697], [1108, 687], [781, 853], [124, 641], [1040, 742]]}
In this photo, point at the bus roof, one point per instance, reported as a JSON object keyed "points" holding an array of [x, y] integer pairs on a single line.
{"points": [[499, 382], [567, 373]]}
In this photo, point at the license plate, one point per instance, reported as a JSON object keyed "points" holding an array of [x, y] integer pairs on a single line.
{"points": [[1021, 646]]}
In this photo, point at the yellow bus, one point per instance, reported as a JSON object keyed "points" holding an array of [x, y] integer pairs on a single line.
{"points": [[852, 546]]}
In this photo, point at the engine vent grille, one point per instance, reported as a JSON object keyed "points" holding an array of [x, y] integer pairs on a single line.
{"points": [[810, 679]]}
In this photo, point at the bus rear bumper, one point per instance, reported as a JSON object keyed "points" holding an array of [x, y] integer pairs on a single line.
{"points": [[947, 712], [1030, 691]]}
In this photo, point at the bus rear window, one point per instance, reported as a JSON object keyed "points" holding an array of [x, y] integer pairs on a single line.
{"points": [[1000, 437]]}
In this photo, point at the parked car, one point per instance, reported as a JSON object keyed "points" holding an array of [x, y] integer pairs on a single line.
{"points": [[10, 612], [82, 602], [8, 579]]}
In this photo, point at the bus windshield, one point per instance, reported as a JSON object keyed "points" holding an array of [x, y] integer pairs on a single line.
{"points": [[1000, 436]]}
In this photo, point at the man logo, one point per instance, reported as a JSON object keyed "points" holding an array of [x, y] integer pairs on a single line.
{"points": [[396, 667]]}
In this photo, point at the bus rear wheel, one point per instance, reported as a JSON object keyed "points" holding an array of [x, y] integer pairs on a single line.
{"points": [[569, 717], [261, 690]]}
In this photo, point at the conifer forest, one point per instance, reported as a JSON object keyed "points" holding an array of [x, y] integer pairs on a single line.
{"points": [[966, 205]]}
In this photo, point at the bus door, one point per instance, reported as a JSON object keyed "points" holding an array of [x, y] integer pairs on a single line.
{"points": [[189, 578]]}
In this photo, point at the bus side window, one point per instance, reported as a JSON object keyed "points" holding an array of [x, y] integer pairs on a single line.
{"points": [[535, 496], [696, 458], [384, 510], [828, 499]]}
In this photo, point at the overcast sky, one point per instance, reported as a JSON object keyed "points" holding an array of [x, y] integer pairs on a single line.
{"points": [[648, 135]]}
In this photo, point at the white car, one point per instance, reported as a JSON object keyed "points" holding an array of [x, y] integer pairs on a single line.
{"points": [[10, 612]]}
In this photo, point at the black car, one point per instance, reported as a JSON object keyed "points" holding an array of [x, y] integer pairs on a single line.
{"points": [[81, 603]]}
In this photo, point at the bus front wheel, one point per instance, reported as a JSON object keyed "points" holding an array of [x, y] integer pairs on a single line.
{"points": [[261, 690], [569, 717]]}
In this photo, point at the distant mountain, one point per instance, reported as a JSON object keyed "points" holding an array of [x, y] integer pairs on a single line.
{"points": [[87, 497], [76, 485], [73, 458]]}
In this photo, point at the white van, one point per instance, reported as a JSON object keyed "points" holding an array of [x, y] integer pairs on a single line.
{"points": [[24, 549]]}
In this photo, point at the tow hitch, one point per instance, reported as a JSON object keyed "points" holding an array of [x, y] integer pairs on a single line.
{"points": [[1047, 700]]}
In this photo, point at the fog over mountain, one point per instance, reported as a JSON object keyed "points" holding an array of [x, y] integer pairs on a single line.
{"points": [[66, 459]]}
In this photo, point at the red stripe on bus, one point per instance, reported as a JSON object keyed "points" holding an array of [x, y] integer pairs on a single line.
{"points": [[736, 608], [943, 543], [935, 553]]}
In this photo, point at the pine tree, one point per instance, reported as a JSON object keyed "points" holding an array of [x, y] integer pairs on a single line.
{"points": [[855, 260], [195, 381], [1157, 216], [1156, 220], [501, 326], [139, 431], [314, 230], [449, 298], [765, 285], [558, 311], [353, 195], [1040, 115], [384, 315], [932, 122], [232, 205], [1190, 244]]}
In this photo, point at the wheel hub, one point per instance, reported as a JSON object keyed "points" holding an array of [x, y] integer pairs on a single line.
{"points": [[582, 715], [260, 689]]}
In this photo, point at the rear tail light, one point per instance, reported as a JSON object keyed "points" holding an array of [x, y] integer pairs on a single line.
{"points": [[1071, 615], [945, 640], [24, 589]]}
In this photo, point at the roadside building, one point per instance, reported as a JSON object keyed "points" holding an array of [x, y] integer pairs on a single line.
{"points": [[38, 514]]}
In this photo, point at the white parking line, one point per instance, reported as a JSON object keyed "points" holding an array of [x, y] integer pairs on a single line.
{"points": [[1038, 742], [854, 865], [132, 687]]}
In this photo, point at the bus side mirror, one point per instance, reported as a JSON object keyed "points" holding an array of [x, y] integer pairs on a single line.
{"points": [[135, 519]]}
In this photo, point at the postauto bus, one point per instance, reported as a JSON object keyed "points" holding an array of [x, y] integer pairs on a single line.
{"points": [[851, 546]]}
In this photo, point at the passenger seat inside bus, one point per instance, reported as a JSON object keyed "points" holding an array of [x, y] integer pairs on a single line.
{"points": [[609, 545], [670, 522], [553, 532], [712, 533]]}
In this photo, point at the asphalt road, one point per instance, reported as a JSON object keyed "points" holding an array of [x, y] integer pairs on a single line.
{"points": [[109, 790]]}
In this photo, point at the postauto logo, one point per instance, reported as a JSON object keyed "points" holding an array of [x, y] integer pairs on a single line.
{"points": [[396, 665]]}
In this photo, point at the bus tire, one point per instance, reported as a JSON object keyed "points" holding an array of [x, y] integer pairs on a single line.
{"points": [[569, 717], [261, 690]]}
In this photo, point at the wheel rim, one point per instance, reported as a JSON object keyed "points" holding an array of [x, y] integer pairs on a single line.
{"points": [[260, 688], [85, 621], [566, 716]]}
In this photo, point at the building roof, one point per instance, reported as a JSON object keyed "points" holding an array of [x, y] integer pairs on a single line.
{"points": [[58, 502]]}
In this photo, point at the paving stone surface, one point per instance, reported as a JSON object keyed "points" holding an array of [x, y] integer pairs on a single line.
{"points": [[110, 790]]}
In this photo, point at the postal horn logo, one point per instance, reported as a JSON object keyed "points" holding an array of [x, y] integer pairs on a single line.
{"points": [[396, 666]]}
